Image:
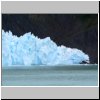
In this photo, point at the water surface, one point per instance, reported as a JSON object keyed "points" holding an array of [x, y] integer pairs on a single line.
{"points": [[62, 75]]}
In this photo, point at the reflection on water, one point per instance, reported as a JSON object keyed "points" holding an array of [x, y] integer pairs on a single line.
{"points": [[69, 75]]}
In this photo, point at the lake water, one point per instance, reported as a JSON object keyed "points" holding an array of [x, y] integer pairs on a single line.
{"points": [[62, 75]]}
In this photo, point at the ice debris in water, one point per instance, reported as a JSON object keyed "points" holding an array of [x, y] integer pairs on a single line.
{"points": [[31, 50]]}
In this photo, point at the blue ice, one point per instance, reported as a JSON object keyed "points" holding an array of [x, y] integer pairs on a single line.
{"points": [[31, 50]]}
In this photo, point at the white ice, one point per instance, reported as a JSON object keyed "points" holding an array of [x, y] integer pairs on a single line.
{"points": [[31, 50]]}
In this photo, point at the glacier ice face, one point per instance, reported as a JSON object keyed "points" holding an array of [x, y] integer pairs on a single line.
{"points": [[31, 50]]}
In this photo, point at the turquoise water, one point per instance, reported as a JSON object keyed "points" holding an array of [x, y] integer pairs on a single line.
{"points": [[62, 75]]}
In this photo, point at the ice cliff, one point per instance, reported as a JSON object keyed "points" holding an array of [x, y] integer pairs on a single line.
{"points": [[31, 50]]}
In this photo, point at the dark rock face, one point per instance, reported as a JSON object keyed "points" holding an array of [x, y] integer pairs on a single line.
{"points": [[72, 30]]}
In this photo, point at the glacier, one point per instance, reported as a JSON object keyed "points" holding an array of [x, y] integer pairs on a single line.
{"points": [[31, 50]]}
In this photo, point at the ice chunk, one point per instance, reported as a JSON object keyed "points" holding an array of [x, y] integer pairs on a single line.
{"points": [[31, 50]]}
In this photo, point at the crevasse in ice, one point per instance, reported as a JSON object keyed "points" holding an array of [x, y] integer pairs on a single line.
{"points": [[31, 50]]}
